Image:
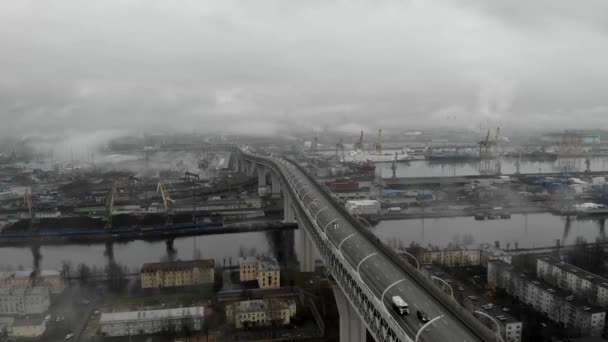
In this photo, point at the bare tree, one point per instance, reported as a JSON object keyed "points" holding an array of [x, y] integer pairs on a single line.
{"points": [[66, 269]]}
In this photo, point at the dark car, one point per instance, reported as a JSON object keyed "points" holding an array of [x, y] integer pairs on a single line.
{"points": [[422, 316]]}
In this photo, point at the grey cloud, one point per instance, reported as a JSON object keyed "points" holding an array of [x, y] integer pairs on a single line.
{"points": [[206, 65]]}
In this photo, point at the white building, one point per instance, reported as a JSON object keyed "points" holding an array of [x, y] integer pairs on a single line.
{"points": [[465, 257], [577, 280], [559, 305], [24, 300], [151, 321], [363, 207], [261, 312], [29, 327]]}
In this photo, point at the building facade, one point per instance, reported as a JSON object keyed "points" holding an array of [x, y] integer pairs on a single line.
{"points": [[49, 278], [261, 312], [30, 327], [269, 274], [24, 300], [151, 321], [572, 278], [248, 269], [559, 305], [464, 257], [177, 273], [266, 271]]}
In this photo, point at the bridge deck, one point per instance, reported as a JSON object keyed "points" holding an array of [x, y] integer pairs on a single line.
{"points": [[378, 271]]}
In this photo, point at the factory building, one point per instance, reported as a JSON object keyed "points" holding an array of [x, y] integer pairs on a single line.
{"points": [[151, 321], [177, 273]]}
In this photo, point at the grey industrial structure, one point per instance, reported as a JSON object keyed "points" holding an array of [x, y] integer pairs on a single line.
{"points": [[24, 300], [151, 321]]}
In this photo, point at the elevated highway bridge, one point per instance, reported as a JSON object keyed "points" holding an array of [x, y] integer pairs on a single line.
{"points": [[367, 273]]}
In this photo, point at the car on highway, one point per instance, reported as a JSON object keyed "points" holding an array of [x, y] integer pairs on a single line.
{"points": [[69, 336], [422, 316]]}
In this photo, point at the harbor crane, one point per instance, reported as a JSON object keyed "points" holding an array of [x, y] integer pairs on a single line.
{"points": [[30, 206], [379, 142], [167, 201], [359, 144], [110, 207]]}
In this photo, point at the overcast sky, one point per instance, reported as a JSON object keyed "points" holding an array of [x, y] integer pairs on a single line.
{"points": [[260, 66]]}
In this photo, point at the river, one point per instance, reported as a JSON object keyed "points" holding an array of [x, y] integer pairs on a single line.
{"points": [[531, 230], [279, 244], [423, 168]]}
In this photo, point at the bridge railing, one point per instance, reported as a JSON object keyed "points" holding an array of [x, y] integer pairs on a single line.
{"points": [[465, 317]]}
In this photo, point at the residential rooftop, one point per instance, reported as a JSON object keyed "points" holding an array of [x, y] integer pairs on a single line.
{"points": [[151, 315], [593, 278], [177, 265]]}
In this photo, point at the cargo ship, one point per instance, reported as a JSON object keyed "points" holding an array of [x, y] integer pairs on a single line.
{"points": [[363, 166], [377, 156]]}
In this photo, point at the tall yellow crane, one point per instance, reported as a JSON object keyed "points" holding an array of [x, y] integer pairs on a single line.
{"points": [[379, 142], [110, 207], [167, 201]]}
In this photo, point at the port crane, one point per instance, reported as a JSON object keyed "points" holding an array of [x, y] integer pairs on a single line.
{"points": [[379, 142], [167, 201], [359, 144], [30, 206], [110, 207]]}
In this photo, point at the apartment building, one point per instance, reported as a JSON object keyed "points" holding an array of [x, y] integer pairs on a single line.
{"points": [[559, 305], [151, 321], [269, 273], [464, 257], [24, 300], [248, 268], [49, 278], [177, 273], [572, 278], [261, 312], [266, 271]]}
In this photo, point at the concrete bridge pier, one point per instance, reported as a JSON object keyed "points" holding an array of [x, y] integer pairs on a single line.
{"points": [[275, 189], [352, 328], [307, 256], [262, 191], [288, 212]]}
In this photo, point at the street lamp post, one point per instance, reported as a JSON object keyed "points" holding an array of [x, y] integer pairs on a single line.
{"points": [[361, 219], [411, 256], [426, 325], [493, 320], [446, 283]]}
